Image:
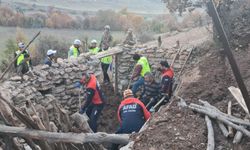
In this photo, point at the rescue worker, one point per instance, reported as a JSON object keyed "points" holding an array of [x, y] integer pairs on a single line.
{"points": [[23, 63], [130, 40], [50, 57], [106, 61], [151, 93], [141, 67], [132, 114], [93, 47], [167, 75], [94, 99], [74, 50]]}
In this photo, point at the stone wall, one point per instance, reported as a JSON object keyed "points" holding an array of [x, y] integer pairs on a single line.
{"points": [[154, 55], [55, 83]]}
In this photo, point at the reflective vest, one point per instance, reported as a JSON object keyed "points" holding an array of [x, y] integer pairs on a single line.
{"points": [[20, 58], [93, 84], [145, 65], [106, 60], [133, 101], [168, 72], [73, 52], [94, 50]]}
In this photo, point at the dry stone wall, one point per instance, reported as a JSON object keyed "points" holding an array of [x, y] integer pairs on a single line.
{"points": [[154, 55], [56, 83], [48, 84]]}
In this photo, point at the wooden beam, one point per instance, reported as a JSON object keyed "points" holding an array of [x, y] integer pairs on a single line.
{"points": [[239, 98], [116, 74], [109, 52], [210, 134], [77, 138]]}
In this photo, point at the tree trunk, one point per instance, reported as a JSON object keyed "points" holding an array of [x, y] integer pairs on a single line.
{"points": [[80, 138]]}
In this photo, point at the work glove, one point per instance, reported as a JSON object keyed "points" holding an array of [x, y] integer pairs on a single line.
{"points": [[77, 85]]}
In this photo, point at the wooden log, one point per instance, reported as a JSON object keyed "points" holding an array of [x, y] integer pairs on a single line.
{"points": [[221, 114], [239, 98], [28, 141], [238, 136], [69, 137], [232, 118], [223, 128], [221, 118], [28, 122], [229, 112], [210, 135], [109, 52], [129, 146], [81, 122]]}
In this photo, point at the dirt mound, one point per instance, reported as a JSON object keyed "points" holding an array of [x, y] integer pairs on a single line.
{"points": [[108, 119], [180, 129]]}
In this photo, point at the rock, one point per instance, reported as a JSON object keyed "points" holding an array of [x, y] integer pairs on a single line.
{"points": [[16, 78], [68, 70]]}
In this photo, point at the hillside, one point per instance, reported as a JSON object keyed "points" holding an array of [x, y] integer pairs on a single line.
{"points": [[79, 6]]}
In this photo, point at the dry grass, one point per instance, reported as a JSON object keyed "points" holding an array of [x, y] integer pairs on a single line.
{"points": [[65, 34]]}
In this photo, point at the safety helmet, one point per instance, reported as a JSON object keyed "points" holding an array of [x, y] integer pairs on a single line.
{"points": [[127, 93], [77, 42], [107, 27], [21, 45], [93, 41]]}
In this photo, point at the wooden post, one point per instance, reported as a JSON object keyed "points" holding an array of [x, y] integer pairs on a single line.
{"points": [[116, 74], [210, 134], [229, 112]]}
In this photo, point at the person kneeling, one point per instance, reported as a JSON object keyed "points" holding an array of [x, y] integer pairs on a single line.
{"points": [[132, 114]]}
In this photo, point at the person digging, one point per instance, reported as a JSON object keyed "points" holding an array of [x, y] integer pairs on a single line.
{"points": [[95, 98]]}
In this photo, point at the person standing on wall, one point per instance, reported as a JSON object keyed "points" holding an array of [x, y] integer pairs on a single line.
{"points": [[141, 67], [106, 61], [74, 50], [23, 63]]}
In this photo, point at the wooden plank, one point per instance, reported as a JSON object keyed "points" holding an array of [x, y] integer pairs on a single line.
{"points": [[109, 52], [77, 138], [239, 98]]}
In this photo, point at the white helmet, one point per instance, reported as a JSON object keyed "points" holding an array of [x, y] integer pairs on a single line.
{"points": [[21, 45], [77, 42], [93, 41], [50, 52], [107, 27]]}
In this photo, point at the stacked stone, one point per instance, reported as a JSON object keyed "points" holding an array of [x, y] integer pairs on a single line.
{"points": [[55, 83], [154, 55]]}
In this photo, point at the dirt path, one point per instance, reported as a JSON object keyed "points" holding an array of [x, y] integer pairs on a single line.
{"points": [[188, 38]]}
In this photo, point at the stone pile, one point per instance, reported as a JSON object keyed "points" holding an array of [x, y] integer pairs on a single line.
{"points": [[154, 55], [55, 83]]}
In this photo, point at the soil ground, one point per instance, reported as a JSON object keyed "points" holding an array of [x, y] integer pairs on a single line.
{"points": [[207, 77]]}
